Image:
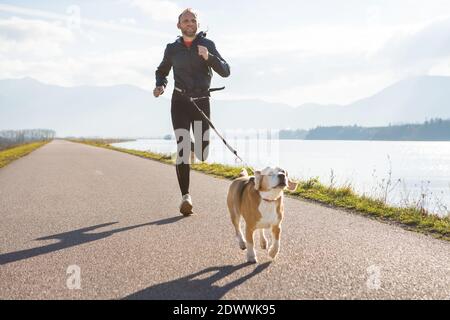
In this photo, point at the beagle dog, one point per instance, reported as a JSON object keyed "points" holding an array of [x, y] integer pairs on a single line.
{"points": [[259, 200]]}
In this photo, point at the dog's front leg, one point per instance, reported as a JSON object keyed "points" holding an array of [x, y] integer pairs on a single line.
{"points": [[262, 239], [251, 254], [275, 248]]}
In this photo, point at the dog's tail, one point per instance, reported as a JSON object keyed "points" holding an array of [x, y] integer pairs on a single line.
{"points": [[243, 173]]}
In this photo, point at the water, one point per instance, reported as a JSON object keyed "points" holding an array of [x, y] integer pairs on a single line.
{"points": [[414, 173]]}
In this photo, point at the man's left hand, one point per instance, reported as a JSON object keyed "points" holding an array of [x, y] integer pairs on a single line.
{"points": [[203, 51]]}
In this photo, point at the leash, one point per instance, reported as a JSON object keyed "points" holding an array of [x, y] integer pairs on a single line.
{"points": [[193, 100]]}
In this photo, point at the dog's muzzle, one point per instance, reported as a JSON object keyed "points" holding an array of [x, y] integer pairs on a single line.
{"points": [[283, 181]]}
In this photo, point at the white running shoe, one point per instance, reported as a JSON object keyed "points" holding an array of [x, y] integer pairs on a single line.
{"points": [[186, 205]]}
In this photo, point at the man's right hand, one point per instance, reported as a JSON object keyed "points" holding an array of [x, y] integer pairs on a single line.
{"points": [[158, 91]]}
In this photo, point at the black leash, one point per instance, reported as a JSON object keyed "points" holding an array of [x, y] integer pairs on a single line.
{"points": [[193, 100]]}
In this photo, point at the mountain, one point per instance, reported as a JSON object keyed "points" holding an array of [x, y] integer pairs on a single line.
{"points": [[128, 111], [95, 111], [413, 100]]}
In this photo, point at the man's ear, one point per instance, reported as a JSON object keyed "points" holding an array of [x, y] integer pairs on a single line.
{"points": [[178, 26], [257, 179]]}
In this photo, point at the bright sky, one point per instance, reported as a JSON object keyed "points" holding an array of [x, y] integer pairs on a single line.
{"points": [[322, 51]]}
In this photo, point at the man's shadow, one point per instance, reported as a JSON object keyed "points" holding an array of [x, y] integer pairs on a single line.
{"points": [[190, 288], [75, 238]]}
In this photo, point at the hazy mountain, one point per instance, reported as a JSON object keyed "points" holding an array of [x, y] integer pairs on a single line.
{"points": [[129, 111], [413, 100], [104, 111]]}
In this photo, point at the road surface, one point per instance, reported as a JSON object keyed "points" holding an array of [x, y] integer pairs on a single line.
{"points": [[80, 222]]}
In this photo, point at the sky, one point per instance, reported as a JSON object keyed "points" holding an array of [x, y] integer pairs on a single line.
{"points": [[293, 52]]}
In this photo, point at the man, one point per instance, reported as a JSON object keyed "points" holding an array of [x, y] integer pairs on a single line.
{"points": [[193, 57]]}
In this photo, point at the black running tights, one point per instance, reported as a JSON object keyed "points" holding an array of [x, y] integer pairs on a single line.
{"points": [[184, 116]]}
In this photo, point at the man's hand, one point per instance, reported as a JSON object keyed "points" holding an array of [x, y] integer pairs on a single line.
{"points": [[158, 91], [203, 51]]}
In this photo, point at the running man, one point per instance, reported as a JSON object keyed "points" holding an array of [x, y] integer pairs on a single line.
{"points": [[192, 57]]}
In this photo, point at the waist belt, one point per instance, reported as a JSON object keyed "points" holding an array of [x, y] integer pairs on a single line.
{"points": [[195, 91]]}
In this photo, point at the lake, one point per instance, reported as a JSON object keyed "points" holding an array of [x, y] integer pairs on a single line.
{"points": [[405, 173]]}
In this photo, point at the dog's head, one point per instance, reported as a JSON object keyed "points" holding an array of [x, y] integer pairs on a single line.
{"points": [[273, 179]]}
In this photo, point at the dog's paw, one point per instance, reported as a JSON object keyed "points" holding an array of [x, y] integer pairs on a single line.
{"points": [[273, 252], [251, 258], [242, 245], [263, 245]]}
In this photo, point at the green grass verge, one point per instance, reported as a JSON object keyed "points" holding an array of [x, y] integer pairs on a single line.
{"points": [[9, 155], [343, 197]]}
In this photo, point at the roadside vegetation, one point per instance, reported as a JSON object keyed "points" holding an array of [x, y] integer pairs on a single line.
{"points": [[15, 144], [412, 218], [9, 155], [14, 138]]}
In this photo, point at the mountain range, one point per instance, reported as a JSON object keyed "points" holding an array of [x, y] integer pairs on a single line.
{"points": [[128, 111]]}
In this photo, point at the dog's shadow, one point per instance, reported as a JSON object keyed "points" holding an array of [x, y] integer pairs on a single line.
{"points": [[196, 287], [74, 238]]}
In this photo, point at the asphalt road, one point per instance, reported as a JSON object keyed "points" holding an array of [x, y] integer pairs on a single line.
{"points": [[79, 222]]}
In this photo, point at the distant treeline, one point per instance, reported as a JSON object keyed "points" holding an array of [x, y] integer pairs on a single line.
{"points": [[293, 134], [10, 138], [432, 130]]}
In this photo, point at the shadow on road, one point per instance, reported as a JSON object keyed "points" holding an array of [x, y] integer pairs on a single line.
{"points": [[75, 238], [194, 287], [167, 221]]}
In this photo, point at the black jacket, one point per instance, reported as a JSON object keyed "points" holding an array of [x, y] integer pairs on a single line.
{"points": [[191, 72]]}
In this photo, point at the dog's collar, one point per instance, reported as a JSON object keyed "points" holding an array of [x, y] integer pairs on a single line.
{"points": [[270, 200]]}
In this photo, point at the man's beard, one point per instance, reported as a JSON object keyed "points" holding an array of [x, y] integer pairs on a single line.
{"points": [[189, 33]]}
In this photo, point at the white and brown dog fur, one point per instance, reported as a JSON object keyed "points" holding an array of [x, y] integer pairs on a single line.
{"points": [[259, 200]]}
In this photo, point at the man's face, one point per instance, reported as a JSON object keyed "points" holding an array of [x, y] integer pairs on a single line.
{"points": [[188, 24]]}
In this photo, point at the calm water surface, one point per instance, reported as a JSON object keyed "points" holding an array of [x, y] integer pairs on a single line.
{"points": [[412, 172]]}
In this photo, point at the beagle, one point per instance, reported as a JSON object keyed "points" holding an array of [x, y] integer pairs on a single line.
{"points": [[259, 200]]}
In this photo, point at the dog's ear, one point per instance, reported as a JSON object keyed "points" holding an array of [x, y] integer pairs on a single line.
{"points": [[243, 173], [257, 179], [292, 186]]}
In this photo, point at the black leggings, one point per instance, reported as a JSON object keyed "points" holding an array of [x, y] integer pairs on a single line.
{"points": [[184, 116]]}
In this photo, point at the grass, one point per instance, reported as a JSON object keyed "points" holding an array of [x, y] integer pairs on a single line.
{"points": [[344, 197], [9, 155], [411, 218]]}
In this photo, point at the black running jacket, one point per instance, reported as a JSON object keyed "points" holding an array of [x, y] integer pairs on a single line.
{"points": [[191, 72]]}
